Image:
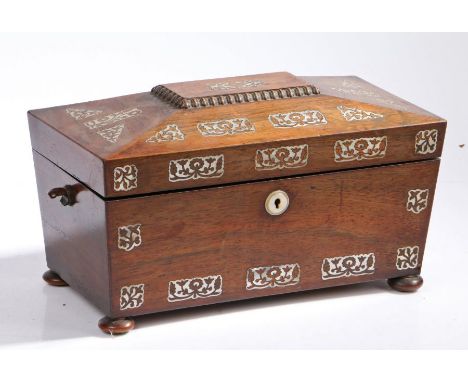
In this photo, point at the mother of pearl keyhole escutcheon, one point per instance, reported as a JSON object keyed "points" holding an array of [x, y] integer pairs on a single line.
{"points": [[277, 202]]}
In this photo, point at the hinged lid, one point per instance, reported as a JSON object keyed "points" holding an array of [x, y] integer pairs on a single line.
{"points": [[238, 129]]}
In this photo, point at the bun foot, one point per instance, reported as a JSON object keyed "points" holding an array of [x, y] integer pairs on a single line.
{"points": [[116, 325], [52, 278], [406, 283]]}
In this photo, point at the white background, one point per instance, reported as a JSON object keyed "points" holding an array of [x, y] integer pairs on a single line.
{"points": [[43, 70]]}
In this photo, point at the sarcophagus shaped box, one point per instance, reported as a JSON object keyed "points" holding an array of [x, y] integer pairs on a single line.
{"points": [[218, 190]]}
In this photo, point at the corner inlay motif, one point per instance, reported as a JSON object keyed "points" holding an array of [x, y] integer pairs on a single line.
{"points": [[125, 177], [426, 142], [129, 237], [417, 200], [407, 258], [132, 296]]}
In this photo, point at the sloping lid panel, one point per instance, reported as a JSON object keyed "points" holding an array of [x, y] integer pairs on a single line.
{"points": [[147, 143], [79, 137]]}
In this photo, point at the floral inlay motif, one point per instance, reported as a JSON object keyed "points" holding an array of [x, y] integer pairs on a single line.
{"points": [[407, 258], [417, 200], [225, 127], [230, 85], [129, 237], [196, 168], [277, 158], [354, 114], [79, 114], [273, 276], [346, 266], [297, 119], [111, 134], [169, 133], [125, 177], [197, 287], [426, 142], [132, 296], [360, 148], [112, 118], [358, 89]]}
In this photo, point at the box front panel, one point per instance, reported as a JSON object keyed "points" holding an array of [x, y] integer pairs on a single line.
{"points": [[199, 247]]}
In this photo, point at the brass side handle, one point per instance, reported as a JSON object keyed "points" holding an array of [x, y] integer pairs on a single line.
{"points": [[67, 195]]}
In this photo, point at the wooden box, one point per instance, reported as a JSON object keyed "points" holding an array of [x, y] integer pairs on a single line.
{"points": [[218, 190]]}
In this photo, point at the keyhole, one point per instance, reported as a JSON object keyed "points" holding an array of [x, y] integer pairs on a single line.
{"points": [[277, 203]]}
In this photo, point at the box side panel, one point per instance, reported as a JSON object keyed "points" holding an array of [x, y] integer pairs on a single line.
{"points": [[74, 236], [67, 154], [199, 247]]}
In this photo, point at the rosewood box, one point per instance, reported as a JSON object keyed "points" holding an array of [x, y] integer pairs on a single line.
{"points": [[210, 191]]}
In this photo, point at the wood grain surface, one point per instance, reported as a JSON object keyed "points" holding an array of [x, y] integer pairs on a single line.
{"points": [[74, 236]]}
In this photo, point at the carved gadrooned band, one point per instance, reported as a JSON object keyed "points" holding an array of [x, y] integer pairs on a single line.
{"points": [[245, 97]]}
